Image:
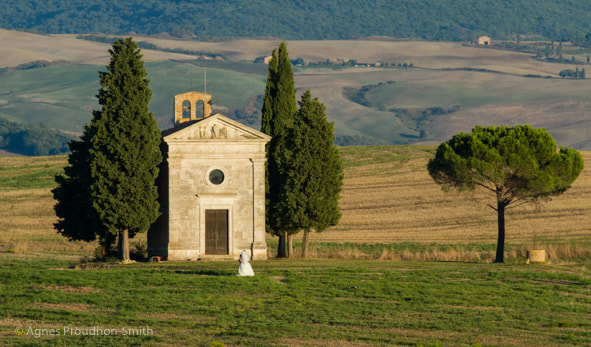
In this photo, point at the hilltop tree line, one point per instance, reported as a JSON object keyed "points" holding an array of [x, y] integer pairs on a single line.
{"points": [[446, 20], [29, 139], [568, 73]]}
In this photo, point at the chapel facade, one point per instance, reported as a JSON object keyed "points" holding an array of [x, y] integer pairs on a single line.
{"points": [[211, 186]]}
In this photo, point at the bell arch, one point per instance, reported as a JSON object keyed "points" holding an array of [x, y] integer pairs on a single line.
{"points": [[187, 108]]}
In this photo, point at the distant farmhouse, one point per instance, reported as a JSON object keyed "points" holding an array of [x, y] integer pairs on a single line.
{"points": [[484, 41], [211, 186], [263, 59]]}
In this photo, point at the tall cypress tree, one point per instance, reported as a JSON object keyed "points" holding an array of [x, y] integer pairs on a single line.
{"points": [[125, 147], [279, 108], [116, 163], [314, 176]]}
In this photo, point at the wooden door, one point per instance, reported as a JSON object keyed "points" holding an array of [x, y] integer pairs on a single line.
{"points": [[216, 232]]}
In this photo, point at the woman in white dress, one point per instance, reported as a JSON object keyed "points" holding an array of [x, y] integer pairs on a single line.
{"points": [[245, 269]]}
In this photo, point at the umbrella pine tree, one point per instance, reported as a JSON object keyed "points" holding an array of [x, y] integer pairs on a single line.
{"points": [[515, 165]]}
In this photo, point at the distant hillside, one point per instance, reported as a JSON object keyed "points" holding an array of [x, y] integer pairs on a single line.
{"points": [[62, 96], [445, 87], [445, 20], [28, 139]]}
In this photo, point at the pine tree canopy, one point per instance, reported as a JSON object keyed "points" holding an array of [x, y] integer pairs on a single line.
{"points": [[520, 163], [516, 164]]}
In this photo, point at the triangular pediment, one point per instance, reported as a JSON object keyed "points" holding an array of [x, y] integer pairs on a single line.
{"points": [[214, 127]]}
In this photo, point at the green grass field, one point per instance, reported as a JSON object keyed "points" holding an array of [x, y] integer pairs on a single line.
{"points": [[293, 303], [380, 278]]}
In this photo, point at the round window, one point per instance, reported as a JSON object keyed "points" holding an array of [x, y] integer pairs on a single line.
{"points": [[216, 176]]}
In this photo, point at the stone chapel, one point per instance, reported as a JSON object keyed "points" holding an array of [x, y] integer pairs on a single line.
{"points": [[211, 186]]}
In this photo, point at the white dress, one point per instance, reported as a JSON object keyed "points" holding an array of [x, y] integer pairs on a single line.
{"points": [[245, 269]]}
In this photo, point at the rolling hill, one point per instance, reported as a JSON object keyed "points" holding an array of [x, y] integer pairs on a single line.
{"points": [[52, 80]]}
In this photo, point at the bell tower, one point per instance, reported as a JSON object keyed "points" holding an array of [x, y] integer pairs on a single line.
{"points": [[187, 105]]}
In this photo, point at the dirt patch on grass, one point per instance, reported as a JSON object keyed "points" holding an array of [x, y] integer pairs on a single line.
{"points": [[70, 307], [477, 308], [280, 279], [69, 289], [318, 342], [176, 316]]}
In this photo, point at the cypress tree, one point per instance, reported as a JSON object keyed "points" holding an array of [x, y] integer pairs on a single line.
{"points": [[279, 108], [113, 169], [77, 219], [125, 147], [314, 177]]}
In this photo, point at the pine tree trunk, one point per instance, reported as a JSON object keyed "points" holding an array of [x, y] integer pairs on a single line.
{"points": [[290, 246], [305, 244], [499, 258], [123, 246], [281, 247]]}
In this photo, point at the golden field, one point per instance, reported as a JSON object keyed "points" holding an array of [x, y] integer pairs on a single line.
{"points": [[21, 47], [397, 201], [388, 197]]}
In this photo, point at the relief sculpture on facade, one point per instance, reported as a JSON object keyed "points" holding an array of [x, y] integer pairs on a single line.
{"points": [[211, 132]]}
